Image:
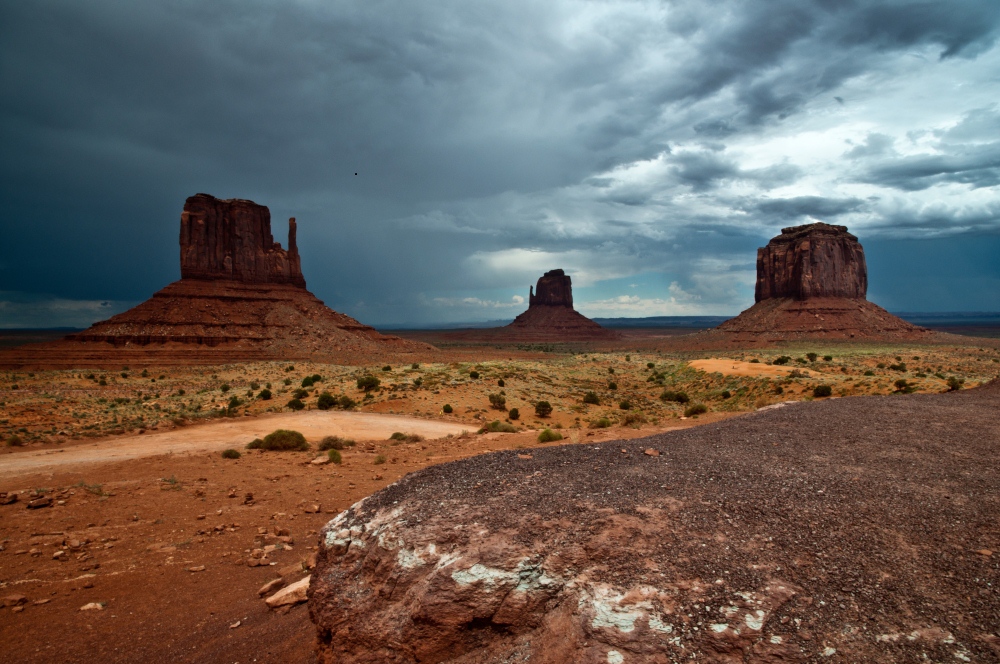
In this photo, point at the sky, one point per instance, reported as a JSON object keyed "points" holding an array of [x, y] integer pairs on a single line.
{"points": [[647, 148]]}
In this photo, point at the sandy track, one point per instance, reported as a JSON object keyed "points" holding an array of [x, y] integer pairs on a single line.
{"points": [[740, 368], [220, 434]]}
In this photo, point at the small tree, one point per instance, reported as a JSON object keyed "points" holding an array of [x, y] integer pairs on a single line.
{"points": [[326, 401], [296, 404], [514, 414], [824, 391], [543, 409], [265, 394], [591, 398], [447, 408], [368, 383], [498, 402], [812, 356]]}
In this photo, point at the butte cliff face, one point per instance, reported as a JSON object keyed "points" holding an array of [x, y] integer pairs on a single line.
{"points": [[551, 316], [231, 240], [815, 260], [240, 297], [812, 282]]}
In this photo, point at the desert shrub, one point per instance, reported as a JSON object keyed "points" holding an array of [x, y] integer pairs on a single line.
{"points": [[307, 381], [755, 361], [500, 383], [255, 444], [822, 391], [869, 372], [612, 385], [15, 441], [549, 436], [514, 414], [903, 387], [726, 394], [326, 401], [812, 356], [180, 393], [300, 393], [335, 443], [368, 383], [496, 426], [625, 404], [415, 365], [102, 382], [287, 381], [334, 456], [254, 385], [784, 359], [290, 367], [828, 358], [591, 397], [447, 408], [265, 394], [418, 381], [231, 454], [955, 384], [379, 460], [695, 409], [634, 418], [600, 423], [406, 437], [628, 358], [281, 440], [611, 370], [296, 404], [802, 360], [498, 402], [346, 402], [677, 397], [234, 402], [650, 365], [901, 366], [473, 374], [795, 373], [543, 409], [387, 368], [225, 388], [779, 389], [880, 365]]}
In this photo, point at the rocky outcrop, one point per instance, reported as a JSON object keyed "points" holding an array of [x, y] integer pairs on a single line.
{"points": [[241, 297], [756, 539], [815, 260], [554, 289], [811, 284], [231, 240], [551, 316]]}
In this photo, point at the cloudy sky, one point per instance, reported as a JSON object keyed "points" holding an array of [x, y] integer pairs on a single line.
{"points": [[648, 148]]}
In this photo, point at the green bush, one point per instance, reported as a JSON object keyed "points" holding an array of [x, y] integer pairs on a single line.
{"points": [[678, 397], [334, 456], [755, 361], [784, 359], [415, 366], [387, 368], [869, 372], [611, 370], [326, 401], [447, 408], [335, 443], [379, 460], [406, 437], [514, 414], [280, 440], [346, 402], [549, 436], [299, 393], [812, 356], [828, 358], [368, 383], [726, 394], [955, 384], [307, 381], [823, 391], [473, 374], [592, 398], [612, 385], [600, 423], [254, 385], [225, 388], [496, 426], [695, 409], [543, 409], [288, 381], [500, 383], [634, 419], [296, 404], [650, 365], [15, 441], [625, 405], [498, 402], [231, 454]]}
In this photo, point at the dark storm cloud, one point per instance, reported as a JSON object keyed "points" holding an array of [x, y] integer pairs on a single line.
{"points": [[549, 129]]}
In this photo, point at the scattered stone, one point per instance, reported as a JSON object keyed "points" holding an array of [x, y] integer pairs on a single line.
{"points": [[651, 452], [8, 498], [93, 606], [312, 509], [13, 600], [320, 460], [196, 568], [270, 587], [39, 502], [289, 595], [236, 624]]}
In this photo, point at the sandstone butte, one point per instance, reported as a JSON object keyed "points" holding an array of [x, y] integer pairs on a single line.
{"points": [[812, 282], [551, 316], [792, 534], [241, 297]]}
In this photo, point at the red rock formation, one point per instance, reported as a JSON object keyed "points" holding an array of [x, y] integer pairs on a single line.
{"points": [[551, 316], [240, 297], [815, 260], [755, 539], [555, 289], [811, 283], [231, 240]]}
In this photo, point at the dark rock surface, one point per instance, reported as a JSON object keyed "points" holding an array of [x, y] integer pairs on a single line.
{"points": [[815, 260], [855, 530], [554, 289], [231, 240]]}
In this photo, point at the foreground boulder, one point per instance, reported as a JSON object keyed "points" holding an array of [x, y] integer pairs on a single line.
{"points": [[862, 529]]}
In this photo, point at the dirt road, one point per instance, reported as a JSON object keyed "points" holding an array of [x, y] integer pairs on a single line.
{"points": [[220, 434]]}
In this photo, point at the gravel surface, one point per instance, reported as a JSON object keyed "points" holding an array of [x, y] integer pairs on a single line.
{"points": [[883, 511]]}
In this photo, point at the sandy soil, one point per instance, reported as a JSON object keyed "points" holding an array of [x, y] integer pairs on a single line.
{"points": [[739, 368], [225, 433]]}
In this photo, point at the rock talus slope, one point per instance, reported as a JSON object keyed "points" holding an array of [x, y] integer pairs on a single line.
{"points": [[856, 529]]}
